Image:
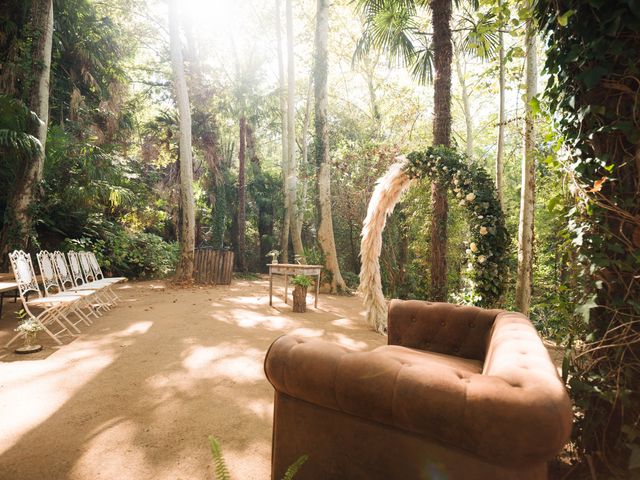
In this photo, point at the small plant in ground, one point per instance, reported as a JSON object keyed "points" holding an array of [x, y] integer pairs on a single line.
{"points": [[303, 281], [222, 472]]}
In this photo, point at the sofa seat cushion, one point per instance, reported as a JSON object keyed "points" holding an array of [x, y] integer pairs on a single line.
{"points": [[412, 357]]}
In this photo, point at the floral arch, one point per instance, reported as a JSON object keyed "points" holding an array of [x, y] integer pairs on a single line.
{"points": [[474, 189]]}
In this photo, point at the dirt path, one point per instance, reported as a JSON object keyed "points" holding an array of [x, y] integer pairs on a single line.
{"points": [[136, 395]]}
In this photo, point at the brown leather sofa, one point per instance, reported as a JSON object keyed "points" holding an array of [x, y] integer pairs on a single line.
{"points": [[459, 393]]}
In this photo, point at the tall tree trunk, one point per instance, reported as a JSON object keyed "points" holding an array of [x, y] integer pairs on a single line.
{"points": [[286, 220], [443, 53], [18, 223], [242, 211], [305, 151], [264, 203], [501, 122], [187, 204], [292, 180], [466, 107], [326, 239], [527, 196]]}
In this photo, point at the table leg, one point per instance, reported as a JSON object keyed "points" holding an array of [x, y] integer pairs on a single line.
{"points": [[317, 290], [286, 287], [270, 288]]}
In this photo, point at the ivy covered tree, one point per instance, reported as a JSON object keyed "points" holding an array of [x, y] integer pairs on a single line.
{"points": [[592, 60]]}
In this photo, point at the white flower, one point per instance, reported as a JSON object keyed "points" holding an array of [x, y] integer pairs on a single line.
{"points": [[480, 217], [470, 197], [456, 189], [483, 230], [482, 259], [473, 247], [468, 251], [462, 203]]}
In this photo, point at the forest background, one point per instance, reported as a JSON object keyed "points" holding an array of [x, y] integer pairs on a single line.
{"points": [[111, 171]]}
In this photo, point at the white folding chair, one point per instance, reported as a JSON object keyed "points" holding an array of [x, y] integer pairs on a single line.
{"points": [[97, 271], [52, 289], [80, 279], [67, 284], [54, 308]]}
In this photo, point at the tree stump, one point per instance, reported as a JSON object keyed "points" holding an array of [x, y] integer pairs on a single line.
{"points": [[299, 299]]}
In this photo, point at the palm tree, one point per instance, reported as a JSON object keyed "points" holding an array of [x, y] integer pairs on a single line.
{"points": [[392, 25]]}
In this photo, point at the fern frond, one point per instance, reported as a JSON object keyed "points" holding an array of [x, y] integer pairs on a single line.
{"points": [[294, 467], [221, 470]]}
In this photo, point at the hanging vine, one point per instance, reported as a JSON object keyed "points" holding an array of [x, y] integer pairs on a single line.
{"points": [[593, 91]]}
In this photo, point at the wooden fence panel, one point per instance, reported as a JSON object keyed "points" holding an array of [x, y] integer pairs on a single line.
{"points": [[213, 266]]}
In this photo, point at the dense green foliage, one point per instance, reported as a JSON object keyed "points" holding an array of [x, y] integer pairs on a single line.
{"points": [[592, 60]]}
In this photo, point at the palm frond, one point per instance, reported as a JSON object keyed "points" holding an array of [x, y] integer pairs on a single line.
{"points": [[19, 144], [422, 66], [15, 115]]}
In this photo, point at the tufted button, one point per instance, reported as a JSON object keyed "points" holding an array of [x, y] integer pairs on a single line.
{"points": [[442, 323], [472, 324], [413, 319], [456, 349]]}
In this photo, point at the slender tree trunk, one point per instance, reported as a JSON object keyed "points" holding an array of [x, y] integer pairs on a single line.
{"points": [[527, 196], [468, 120], [305, 150], [443, 54], [326, 239], [284, 234], [501, 122], [187, 204], [18, 224], [292, 180], [264, 203], [242, 210]]}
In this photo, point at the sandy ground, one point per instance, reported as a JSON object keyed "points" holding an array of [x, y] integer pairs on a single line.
{"points": [[136, 395]]}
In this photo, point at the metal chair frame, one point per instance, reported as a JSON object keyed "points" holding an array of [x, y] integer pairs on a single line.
{"points": [[67, 284], [79, 267], [53, 308], [51, 282]]}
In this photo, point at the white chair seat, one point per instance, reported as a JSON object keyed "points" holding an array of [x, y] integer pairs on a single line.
{"points": [[54, 300]]}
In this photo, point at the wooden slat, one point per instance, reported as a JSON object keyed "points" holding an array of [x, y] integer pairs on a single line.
{"points": [[213, 266]]}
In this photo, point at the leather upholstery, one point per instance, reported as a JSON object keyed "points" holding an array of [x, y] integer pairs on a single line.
{"points": [[486, 386]]}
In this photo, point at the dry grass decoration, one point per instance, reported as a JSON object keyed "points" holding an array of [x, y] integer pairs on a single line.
{"points": [[486, 249]]}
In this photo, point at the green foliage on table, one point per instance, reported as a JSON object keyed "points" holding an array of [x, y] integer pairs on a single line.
{"points": [[592, 92], [303, 281]]}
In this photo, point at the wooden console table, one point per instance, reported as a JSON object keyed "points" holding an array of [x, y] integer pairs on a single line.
{"points": [[287, 269]]}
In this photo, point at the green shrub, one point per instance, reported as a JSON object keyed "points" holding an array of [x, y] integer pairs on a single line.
{"points": [[133, 255]]}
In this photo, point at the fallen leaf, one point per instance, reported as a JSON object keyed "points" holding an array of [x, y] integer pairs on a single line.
{"points": [[597, 185]]}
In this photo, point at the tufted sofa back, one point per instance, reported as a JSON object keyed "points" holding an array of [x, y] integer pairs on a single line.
{"points": [[457, 330]]}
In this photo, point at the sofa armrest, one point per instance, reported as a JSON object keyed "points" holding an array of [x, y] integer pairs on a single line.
{"points": [[457, 330]]}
